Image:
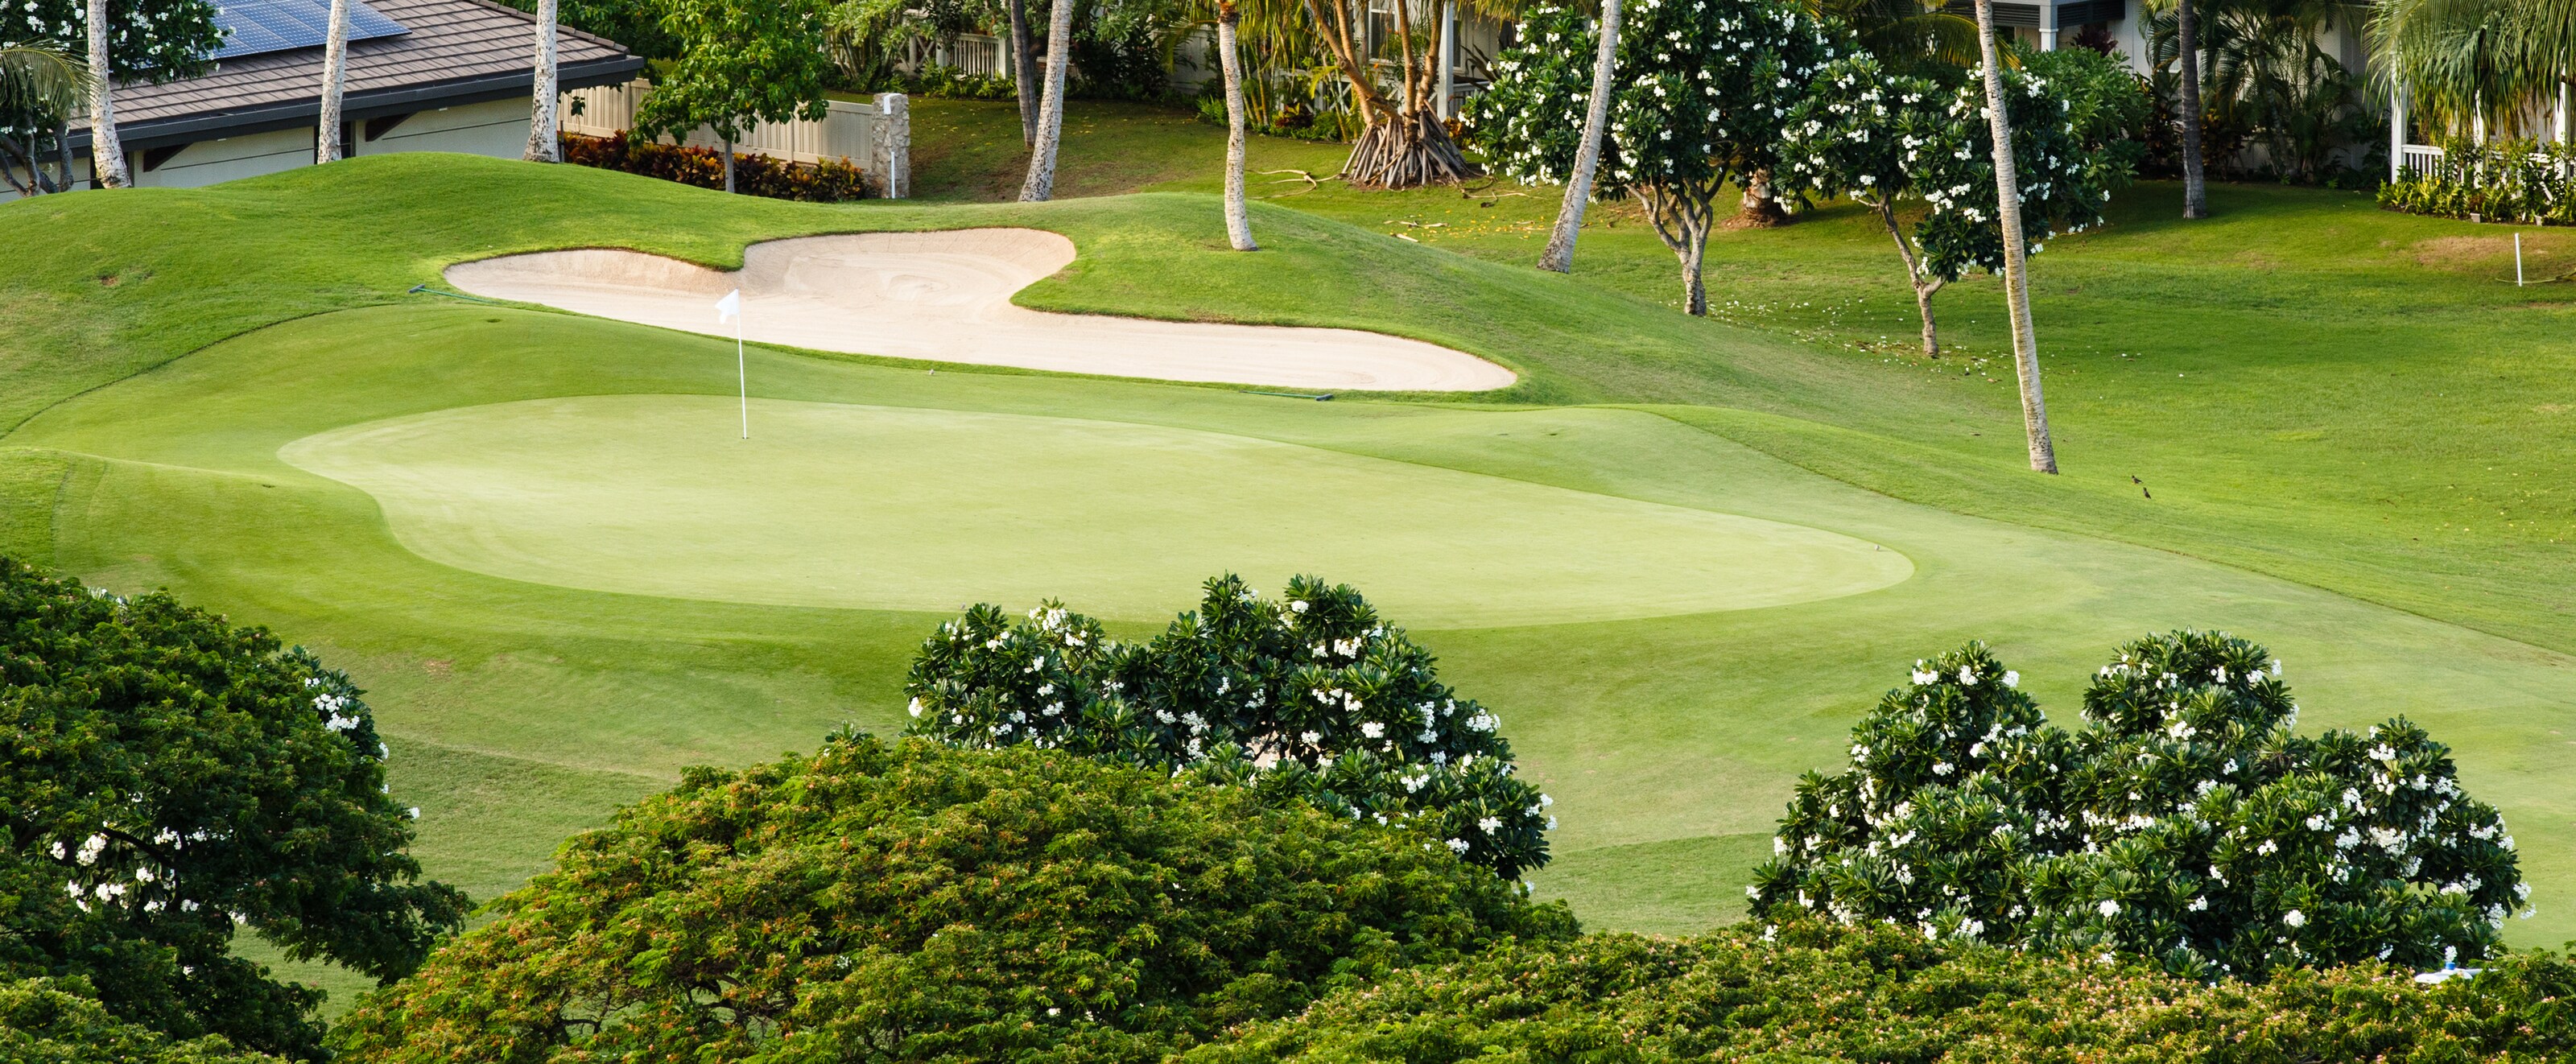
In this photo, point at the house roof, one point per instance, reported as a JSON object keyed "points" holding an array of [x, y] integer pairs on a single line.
{"points": [[454, 51]]}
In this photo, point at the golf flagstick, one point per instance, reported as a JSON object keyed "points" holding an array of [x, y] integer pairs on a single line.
{"points": [[731, 307]]}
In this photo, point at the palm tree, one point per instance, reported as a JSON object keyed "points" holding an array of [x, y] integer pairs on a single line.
{"points": [[106, 149], [2464, 62], [1041, 181], [335, 65], [38, 85], [2034, 409], [545, 144], [2195, 184], [1559, 255], [1238, 222], [1024, 81]]}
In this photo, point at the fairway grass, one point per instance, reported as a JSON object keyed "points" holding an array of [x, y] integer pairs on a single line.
{"points": [[551, 613], [832, 504]]}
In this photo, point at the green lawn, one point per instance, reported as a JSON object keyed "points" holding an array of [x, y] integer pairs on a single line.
{"points": [[2305, 462]]}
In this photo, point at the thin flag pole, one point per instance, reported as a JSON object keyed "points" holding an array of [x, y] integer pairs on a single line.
{"points": [[731, 307]]}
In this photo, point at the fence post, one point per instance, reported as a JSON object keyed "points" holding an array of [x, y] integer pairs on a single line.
{"points": [[890, 147], [2396, 132]]}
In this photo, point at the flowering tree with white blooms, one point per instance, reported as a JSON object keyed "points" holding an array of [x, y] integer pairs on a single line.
{"points": [[146, 40], [2184, 822], [1884, 138], [1309, 697], [1704, 87]]}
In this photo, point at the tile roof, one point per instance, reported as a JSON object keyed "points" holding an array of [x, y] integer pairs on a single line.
{"points": [[456, 51]]}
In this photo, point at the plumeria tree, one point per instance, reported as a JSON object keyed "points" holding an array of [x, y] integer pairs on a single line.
{"points": [[2184, 822], [144, 40], [1308, 697], [174, 780], [1703, 90], [1891, 140]]}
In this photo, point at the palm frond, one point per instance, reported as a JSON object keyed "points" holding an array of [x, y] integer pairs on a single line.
{"points": [[40, 81]]}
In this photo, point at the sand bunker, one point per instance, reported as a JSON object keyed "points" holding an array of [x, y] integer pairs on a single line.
{"points": [[947, 297]]}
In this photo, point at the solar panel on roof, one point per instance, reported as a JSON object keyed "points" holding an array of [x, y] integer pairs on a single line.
{"points": [[257, 27]]}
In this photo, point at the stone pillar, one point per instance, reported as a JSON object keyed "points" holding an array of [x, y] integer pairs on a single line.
{"points": [[1448, 59], [2048, 26], [2396, 132], [890, 147]]}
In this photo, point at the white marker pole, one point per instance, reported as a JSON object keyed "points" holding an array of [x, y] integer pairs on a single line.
{"points": [[731, 307]]}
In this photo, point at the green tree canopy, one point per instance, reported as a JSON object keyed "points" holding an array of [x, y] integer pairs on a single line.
{"points": [[910, 901], [1703, 90], [1890, 140], [1309, 697], [739, 63], [172, 777], [58, 1021], [2184, 822], [1807, 991]]}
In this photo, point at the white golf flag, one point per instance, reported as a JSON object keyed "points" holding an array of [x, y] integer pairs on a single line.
{"points": [[729, 306]]}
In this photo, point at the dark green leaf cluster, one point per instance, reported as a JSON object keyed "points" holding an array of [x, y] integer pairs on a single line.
{"points": [[912, 901], [1804, 991], [2185, 822], [170, 777], [59, 1021], [1308, 697], [740, 63], [1882, 137], [1703, 89]]}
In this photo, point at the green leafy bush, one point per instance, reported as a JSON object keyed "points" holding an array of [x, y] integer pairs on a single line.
{"points": [[1816, 992], [59, 1021], [2184, 822], [909, 901], [171, 777], [829, 181], [1309, 698], [2522, 181]]}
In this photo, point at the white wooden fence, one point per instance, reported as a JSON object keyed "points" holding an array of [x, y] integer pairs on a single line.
{"points": [[875, 137]]}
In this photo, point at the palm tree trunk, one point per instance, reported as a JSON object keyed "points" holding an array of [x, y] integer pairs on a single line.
{"points": [[335, 67], [1040, 185], [544, 141], [106, 149], [2195, 187], [2034, 409], [1024, 82], [1238, 222], [1559, 255]]}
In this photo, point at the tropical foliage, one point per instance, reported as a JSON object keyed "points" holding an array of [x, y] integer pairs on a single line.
{"points": [[2184, 822], [59, 1021], [41, 92], [1704, 90], [1886, 139], [1807, 991], [829, 181], [2522, 181], [173, 778], [1309, 698], [909, 901], [2264, 81]]}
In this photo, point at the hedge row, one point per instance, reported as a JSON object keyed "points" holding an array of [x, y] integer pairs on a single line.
{"points": [[830, 181]]}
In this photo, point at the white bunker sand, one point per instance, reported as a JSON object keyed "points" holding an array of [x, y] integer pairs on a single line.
{"points": [[946, 296], [914, 509]]}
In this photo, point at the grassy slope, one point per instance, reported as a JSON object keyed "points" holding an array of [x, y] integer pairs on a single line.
{"points": [[1671, 740]]}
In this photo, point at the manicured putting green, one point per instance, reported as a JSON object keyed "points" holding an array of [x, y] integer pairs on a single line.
{"points": [[833, 504]]}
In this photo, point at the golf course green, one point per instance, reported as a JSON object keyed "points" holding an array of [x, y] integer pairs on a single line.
{"points": [[540, 543]]}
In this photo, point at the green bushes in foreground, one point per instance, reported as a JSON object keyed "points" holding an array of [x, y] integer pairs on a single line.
{"points": [[50, 1021], [1813, 991], [2529, 182], [908, 901]]}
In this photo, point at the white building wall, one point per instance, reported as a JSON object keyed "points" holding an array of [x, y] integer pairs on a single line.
{"points": [[210, 161]]}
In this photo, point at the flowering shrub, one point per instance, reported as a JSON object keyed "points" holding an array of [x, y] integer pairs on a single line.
{"points": [[2184, 823], [2522, 181], [905, 901], [1806, 991], [1310, 697], [1704, 88], [171, 779], [829, 181]]}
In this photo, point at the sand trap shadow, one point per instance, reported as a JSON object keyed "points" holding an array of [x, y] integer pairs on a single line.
{"points": [[946, 296]]}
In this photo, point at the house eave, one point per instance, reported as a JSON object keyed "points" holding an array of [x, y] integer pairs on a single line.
{"points": [[358, 106]]}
